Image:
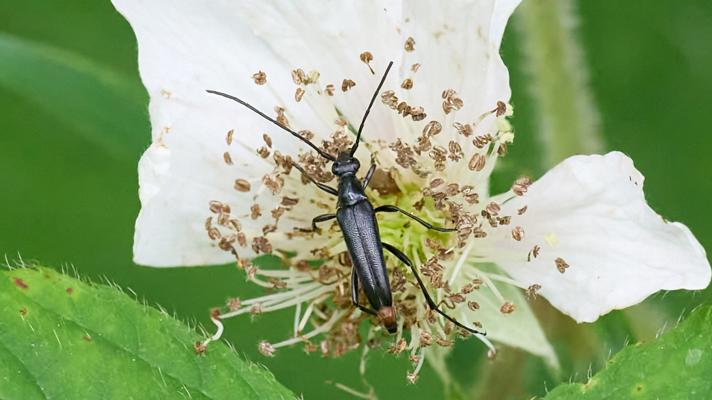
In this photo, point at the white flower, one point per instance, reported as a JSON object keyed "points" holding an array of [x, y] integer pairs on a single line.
{"points": [[213, 187]]}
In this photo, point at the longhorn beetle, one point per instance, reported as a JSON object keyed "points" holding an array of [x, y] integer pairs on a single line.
{"points": [[357, 219]]}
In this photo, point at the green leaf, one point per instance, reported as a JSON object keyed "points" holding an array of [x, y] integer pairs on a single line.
{"points": [[94, 100], [67, 339], [678, 365]]}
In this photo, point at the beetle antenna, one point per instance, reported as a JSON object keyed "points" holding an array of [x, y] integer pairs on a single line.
{"points": [[272, 120], [368, 110]]}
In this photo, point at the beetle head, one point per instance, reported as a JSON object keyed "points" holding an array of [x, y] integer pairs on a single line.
{"points": [[345, 164]]}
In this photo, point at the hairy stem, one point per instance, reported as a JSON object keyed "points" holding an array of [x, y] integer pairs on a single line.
{"points": [[567, 117]]}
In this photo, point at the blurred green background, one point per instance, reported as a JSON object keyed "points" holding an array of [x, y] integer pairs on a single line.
{"points": [[74, 123]]}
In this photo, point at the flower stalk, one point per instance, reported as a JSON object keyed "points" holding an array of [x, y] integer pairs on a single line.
{"points": [[568, 121]]}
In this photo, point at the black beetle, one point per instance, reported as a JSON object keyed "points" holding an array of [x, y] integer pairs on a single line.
{"points": [[357, 219]]}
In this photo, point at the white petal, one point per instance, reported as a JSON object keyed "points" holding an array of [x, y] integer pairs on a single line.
{"points": [[591, 212], [329, 38], [519, 329], [456, 44], [188, 47], [184, 49]]}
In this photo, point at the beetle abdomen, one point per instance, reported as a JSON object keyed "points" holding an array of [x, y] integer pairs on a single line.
{"points": [[360, 230]]}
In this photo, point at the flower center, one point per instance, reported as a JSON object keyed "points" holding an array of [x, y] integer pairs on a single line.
{"points": [[412, 238]]}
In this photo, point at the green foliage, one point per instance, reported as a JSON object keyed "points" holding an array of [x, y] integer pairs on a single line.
{"points": [[64, 338], [676, 366], [91, 98]]}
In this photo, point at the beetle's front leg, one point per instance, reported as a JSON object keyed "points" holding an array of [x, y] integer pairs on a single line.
{"points": [[390, 208], [370, 172]]}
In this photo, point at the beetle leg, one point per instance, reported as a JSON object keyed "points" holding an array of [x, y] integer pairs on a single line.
{"points": [[390, 208], [321, 218], [369, 174], [429, 299], [326, 188], [354, 294]]}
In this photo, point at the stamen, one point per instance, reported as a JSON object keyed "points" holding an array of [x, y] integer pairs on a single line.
{"points": [[532, 291], [218, 333], [534, 252], [477, 162], [507, 308], [308, 312], [266, 349], [366, 57], [297, 312], [413, 376], [488, 282], [321, 329], [347, 84], [521, 185], [259, 77], [298, 76], [227, 158], [371, 395], [409, 44], [366, 348], [292, 302], [298, 94], [507, 280], [561, 265], [304, 292], [461, 261], [451, 102], [517, 233]]}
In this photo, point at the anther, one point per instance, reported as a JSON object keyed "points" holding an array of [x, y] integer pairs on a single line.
{"points": [[507, 308], [259, 77], [366, 57], [532, 291], [227, 158], [409, 44], [477, 162], [266, 349], [561, 265], [347, 84]]}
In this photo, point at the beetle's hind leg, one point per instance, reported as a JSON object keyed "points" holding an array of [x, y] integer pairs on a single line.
{"points": [[390, 208], [429, 299], [354, 294], [326, 188]]}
